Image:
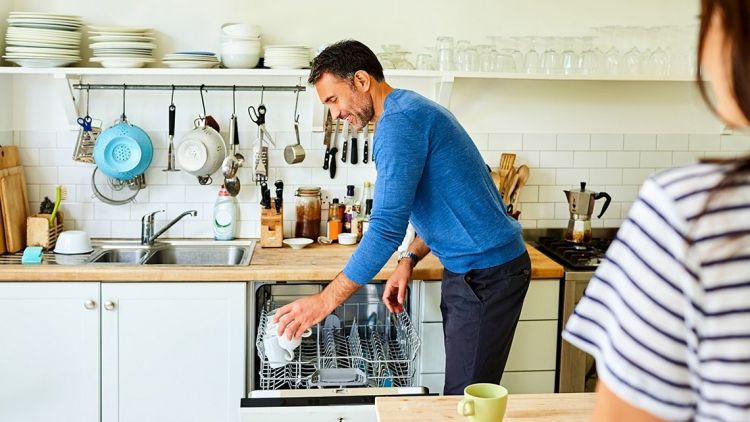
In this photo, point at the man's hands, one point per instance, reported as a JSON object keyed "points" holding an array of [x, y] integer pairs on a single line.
{"points": [[293, 319], [298, 316], [394, 294]]}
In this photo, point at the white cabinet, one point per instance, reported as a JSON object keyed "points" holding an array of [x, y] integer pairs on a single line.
{"points": [[49, 352], [172, 352], [532, 361], [169, 352]]}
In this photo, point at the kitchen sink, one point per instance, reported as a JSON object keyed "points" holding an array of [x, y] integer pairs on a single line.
{"points": [[119, 256], [201, 255], [190, 253]]}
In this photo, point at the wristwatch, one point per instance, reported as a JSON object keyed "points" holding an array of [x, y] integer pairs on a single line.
{"points": [[407, 254]]}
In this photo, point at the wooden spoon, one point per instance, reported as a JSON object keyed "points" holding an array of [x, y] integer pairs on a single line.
{"points": [[523, 177]]}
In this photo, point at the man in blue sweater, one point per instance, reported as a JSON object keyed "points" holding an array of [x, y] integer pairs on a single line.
{"points": [[430, 172]]}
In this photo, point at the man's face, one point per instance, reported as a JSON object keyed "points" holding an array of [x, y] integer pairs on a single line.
{"points": [[349, 101]]}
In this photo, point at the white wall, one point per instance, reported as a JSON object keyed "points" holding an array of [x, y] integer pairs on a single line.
{"points": [[194, 24], [612, 134]]}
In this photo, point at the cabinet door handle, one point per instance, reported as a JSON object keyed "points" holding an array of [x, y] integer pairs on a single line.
{"points": [[109, 305], [89, 304]]}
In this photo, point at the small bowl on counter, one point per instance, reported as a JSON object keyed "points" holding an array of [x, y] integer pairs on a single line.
{"points": [[73, 242], [298, 242], [347, 238]]}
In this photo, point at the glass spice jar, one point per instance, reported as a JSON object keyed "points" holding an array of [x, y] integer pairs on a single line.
{"points": [[307, 203]]}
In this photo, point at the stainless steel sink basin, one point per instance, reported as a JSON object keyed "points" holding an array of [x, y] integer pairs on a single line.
{"points": [[204, 253], [200, 255], [119, 256]]}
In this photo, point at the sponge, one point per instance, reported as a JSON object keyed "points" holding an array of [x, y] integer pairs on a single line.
{"points": [[32, 255]]}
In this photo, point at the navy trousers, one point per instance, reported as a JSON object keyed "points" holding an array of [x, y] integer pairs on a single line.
{"points": [[480, 312]]}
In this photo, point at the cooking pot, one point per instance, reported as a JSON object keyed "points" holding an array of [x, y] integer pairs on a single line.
{"points": [[202, 150], [123, 151]]}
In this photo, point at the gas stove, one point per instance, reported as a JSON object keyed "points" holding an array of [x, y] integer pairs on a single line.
{"points": [[576, 256], [573, 256]]}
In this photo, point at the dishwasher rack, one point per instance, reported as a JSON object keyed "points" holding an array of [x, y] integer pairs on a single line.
{"points": [[384, 348]]}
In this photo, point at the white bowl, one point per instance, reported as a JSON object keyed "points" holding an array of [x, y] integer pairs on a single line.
{"points": [[298, 242], [247, 42], [232, 38], [241, 29], [240, 47], [240, 61], [347, 238], [73, 242]]}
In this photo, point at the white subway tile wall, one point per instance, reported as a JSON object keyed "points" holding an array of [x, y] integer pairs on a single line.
{"points": [[616, 163]]}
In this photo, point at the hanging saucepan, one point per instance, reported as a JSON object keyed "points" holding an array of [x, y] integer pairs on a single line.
{"points": [[124, 150], [295, 153]]}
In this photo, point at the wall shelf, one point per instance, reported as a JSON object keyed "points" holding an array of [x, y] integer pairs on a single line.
{"points": [[98, 71]]}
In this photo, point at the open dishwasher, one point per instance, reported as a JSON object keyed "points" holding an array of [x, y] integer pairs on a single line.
{"points": [[357, 353]]}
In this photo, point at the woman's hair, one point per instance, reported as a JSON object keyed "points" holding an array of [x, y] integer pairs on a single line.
{"points": [[735, 21]]}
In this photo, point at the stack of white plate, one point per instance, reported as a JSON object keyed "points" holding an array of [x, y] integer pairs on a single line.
{"points": [[42, 39], [191, 59], [121, 46], [287, 57]]}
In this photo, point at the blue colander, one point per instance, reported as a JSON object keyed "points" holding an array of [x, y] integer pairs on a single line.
{"points": [[123, 151]]}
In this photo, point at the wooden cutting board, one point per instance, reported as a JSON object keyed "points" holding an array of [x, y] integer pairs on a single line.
{"points": [[14, 203], [9, 157]]}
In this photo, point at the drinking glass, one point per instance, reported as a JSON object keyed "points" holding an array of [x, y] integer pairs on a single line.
{"points": [[425, 62], [551, 59]]}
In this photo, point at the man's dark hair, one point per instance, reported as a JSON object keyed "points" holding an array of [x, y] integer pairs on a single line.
{"points": [[343, 60]]}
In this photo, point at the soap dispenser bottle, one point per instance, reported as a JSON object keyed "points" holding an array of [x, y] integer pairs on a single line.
{"points": [[225, 215]]}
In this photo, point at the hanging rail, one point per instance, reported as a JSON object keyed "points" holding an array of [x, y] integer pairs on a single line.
{"points": [[136, 87]]}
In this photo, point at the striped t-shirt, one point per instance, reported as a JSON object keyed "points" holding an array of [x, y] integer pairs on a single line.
{"points": [[667, 313]]}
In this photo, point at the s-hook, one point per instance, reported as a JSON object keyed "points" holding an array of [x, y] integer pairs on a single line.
{"points": [[203, 102], [123, 117]]}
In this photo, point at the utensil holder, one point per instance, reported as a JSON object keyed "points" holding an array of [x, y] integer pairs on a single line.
{"points": [[39, 233], [271, 226]]}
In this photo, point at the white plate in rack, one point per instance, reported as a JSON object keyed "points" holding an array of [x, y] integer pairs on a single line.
{"points": [[41, 63], [117, 29]]}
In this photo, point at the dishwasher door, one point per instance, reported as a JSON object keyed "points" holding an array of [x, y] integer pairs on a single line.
{"points": [[321, 405], [360, 345]]}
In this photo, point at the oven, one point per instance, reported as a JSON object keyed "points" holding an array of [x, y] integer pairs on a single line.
{"points": [[576, 369], [358, 353]]}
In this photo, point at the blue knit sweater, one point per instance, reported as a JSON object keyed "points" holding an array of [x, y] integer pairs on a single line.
{"points": [[430, 172]]}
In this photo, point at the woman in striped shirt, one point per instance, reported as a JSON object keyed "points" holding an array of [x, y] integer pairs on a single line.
{"points": [[667, 314]]}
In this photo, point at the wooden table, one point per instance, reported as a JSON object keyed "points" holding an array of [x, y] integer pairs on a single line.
{"points": [[573, 407]]}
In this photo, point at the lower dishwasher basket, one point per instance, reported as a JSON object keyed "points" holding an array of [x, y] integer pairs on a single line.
{"points": [[344, 352]]}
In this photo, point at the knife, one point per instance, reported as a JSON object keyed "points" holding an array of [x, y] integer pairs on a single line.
{"points": [[265, 195], [327, 137], [354, 146], [366, 152], [345, 134], [334, 150], [279, 195], [330, 139]]}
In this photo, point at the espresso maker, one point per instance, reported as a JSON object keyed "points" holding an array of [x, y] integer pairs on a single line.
{"points": [[581, 205]]}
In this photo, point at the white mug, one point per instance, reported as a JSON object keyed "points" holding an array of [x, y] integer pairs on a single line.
{"points": [[291, 345], [277, 356]]}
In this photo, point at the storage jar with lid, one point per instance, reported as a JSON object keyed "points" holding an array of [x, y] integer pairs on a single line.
{"points": [[307, 203]]}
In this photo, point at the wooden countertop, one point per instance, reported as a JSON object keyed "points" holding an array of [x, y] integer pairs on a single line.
{"points": [[315, 262], [569, 407]]}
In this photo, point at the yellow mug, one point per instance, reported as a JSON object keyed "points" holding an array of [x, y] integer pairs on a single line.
{"points": [[484, 403]]}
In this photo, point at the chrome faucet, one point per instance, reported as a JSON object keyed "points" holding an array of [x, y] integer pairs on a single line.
{"points": [[147, 226]]}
